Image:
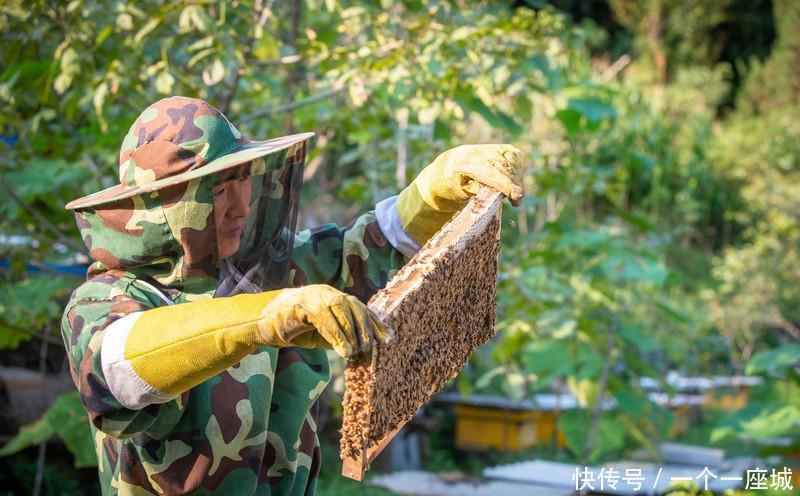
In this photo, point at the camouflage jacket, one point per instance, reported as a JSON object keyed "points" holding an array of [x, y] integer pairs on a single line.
{"points": [[248, 430]]}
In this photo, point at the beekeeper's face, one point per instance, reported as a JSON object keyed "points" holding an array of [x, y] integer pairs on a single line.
{"points": [[231, 205]]}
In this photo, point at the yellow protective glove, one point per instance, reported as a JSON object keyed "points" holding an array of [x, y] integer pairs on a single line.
{"points": [[153, 356], [444, 187], [320, 316]]}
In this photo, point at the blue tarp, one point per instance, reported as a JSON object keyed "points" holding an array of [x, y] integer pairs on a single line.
{"points": [[73, 270], [9, 140]]}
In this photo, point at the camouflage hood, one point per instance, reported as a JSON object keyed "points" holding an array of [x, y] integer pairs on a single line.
{"points": [[159, 222]]}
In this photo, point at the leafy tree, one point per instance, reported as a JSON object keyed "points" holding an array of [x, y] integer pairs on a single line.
{"points": [[775, 84], [386, 86], [656, 235], [673, 33]]}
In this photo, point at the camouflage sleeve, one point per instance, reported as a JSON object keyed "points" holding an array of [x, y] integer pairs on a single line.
{"points": [[94, 306], [357, 258]]}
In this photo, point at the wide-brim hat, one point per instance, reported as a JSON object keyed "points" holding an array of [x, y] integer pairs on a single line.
{"points": [[179, 139]]}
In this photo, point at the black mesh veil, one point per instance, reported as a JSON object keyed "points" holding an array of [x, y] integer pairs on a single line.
{"points": [[263, 259]]}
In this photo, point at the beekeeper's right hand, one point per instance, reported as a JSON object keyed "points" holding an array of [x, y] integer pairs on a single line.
{"points": [[320, 316], [155, 355]]}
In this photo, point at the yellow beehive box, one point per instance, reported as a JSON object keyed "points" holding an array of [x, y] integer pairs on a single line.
{"points": [[545, 427], [727, 400], [488, 428], [486, 423], [730, 393], [684, 407]]}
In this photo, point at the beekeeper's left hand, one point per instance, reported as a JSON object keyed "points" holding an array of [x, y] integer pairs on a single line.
{"points": [[444, 187]]}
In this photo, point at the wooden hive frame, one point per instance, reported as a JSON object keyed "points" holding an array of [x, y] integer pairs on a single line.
{"points": [[441, 305]]}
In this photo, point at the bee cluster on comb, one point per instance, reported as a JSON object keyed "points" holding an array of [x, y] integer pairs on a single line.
{"points": [[441, 306]]}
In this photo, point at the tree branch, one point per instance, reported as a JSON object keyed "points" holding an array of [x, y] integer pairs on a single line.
{"points": [[285, 60], [43, 221], [313, 165], [594, 424], [402, 149], [288, 107], [106, 181], [260, 16], [293, 59], [615, 68], [294, 12], [788, 327]]}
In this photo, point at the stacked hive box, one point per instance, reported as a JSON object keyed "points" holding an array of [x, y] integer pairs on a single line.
{"points": [[441, 306]]}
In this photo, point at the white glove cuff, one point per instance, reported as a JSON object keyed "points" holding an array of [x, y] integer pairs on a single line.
{"points": [[392, 227]]}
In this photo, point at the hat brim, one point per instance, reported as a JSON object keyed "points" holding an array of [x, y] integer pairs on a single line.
{"points": [[241, 154]]}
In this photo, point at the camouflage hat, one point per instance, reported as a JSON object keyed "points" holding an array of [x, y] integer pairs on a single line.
{"points": [[178, 139]]}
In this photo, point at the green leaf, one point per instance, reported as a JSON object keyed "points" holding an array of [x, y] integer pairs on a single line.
{"points": [[547, 356], [434, 67], [11, 338], [608, 435], [539, 63], [638, 337], [570, 119], [642, 161], [29, 435], [513, 385], [585, 390], [584, 238], [511, 344], [622, 266], [201, 44], [99, 100], [557, 324], [496, 118], [759, 421], [523, 108], [194, 16], [461, 33], [71, 422], [43, 176], [214, 74], [593, 109], [29, 304], [70, 67], [584, 113], [103, 35], [200, 56], [669, 309], [464, 385], [632, 402], [145, 30], [124, 21], [164, 82], [353, 12], [775, 361], [201, 20], [66, 418], [441, 130], [487, 377]]}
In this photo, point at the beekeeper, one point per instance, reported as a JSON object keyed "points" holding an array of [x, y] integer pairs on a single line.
{"points": [[197, 341]]}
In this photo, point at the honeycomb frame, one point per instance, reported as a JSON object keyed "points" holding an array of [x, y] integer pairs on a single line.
{"points": [[434, 337]]}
